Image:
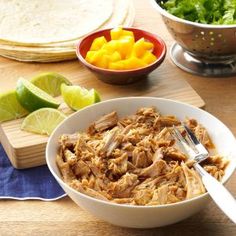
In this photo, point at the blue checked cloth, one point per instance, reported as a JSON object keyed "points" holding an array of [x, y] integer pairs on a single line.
{"points": [[34, 183]]}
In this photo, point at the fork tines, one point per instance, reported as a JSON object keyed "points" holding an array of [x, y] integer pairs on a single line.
{"points": [[190, 143], [187, 139]]}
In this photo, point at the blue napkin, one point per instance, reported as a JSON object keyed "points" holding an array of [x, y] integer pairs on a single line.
{"points": [[34, 183]]}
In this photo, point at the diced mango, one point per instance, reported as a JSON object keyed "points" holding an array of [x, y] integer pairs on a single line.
{"points": [[127, 33], [121, 52], [119, 65], [97, 55], [134, 63], [139, 48], [127, 64], [100, 58], [89, 56], [148, 57], [103, 62], [125, 46], [148, 45], [111, 46], [116, 33], [98, 43], [130, 38], [114, 57]]}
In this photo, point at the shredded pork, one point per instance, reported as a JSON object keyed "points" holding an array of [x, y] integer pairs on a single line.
{"points": [[135, 160]]}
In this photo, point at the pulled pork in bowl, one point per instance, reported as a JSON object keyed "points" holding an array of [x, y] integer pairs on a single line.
{"points": [[135, 160], [117, 160]]}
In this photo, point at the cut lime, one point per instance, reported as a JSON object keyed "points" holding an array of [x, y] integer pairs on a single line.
{"points": [[10, 108], [43, 121], [77, 97], [32, 97], [50, 82], [96, 96]]}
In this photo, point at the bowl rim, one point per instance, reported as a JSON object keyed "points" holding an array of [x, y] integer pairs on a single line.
{"points": [[180, 20], [157, 61], [61, 182]]}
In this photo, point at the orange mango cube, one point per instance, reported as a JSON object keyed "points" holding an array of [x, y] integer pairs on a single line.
{"points": [[148, 57], [148, 45], [90, 56], [100, 58], [125, 46], [98, 43], [139, 48], [103, 62], [127, 33], [119, 65], [111, 46], [115, 57], [134, 63], [118, 32]]}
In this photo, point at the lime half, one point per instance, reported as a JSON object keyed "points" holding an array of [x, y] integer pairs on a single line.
{"points": [[32, 97], [10, 108], [43, 121], [50, 82], [77, 97]]}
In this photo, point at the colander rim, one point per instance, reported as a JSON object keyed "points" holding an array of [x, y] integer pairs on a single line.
{"points": [[180, 20]]}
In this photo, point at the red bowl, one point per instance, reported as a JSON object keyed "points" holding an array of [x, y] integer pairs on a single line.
{"points": [[122, 76]]}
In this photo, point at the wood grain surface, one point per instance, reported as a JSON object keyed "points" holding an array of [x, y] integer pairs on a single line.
{"points": [[63, 217]]}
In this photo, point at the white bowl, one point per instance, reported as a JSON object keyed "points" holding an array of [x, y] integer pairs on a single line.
{"points": [[141, 216]]}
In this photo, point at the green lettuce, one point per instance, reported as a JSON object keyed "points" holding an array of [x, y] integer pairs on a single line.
{"points": [[217, 12]]}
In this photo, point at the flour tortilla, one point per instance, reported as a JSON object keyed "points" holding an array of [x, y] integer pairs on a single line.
{"points": [[39, 21], [41, 60], [120, 16], [129, 20], [120, 13], [56, 54]]}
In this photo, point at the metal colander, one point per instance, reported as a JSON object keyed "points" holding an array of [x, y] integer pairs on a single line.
{"points": [[208, 50]]}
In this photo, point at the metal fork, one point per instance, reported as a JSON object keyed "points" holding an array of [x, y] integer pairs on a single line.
{"points": [[198, 152]]}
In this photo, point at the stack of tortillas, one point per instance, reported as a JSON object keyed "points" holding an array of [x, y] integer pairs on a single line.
{"points": [[47, 31]]}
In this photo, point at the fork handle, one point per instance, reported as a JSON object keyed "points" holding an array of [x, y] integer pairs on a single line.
{"points": [[219, 193]]}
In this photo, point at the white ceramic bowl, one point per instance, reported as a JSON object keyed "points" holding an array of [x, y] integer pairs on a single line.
{"points": [[141, 216]]}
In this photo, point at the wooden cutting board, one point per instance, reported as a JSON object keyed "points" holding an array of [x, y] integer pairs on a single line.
{"points": [[27, 150]]}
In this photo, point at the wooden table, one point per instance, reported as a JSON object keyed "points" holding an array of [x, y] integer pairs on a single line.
{"points": [[63, 217]]}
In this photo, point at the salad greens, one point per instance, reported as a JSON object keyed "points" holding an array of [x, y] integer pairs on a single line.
{"points": [[217, 12]]}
